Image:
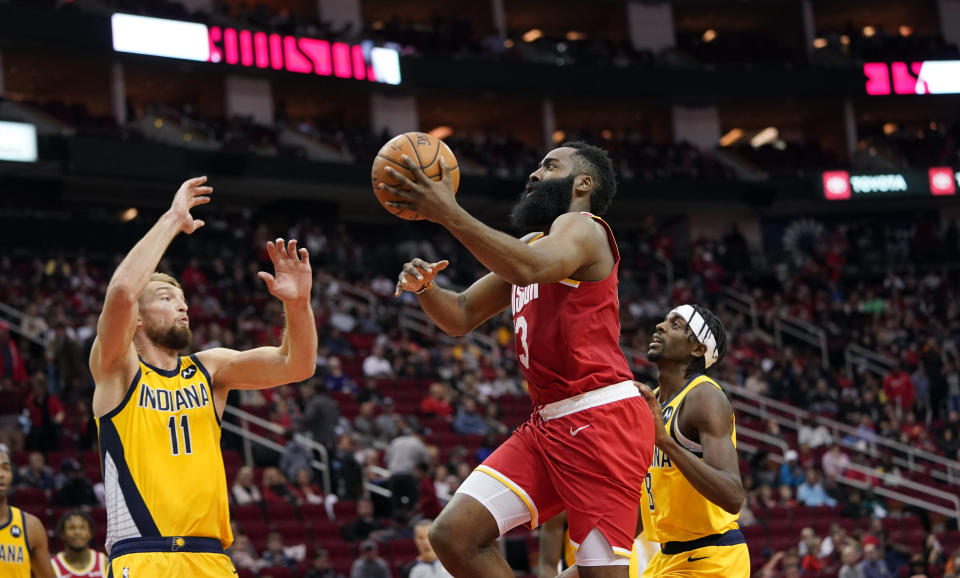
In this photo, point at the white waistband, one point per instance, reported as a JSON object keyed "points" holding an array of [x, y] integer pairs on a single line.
{"points": [[602, 396]]}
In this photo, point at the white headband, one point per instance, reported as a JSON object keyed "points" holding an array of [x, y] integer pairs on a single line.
{"points": [[698, 325]]}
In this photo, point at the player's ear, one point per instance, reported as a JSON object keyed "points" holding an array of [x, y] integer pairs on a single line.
{"points": [[582, 184], [698, 349]]}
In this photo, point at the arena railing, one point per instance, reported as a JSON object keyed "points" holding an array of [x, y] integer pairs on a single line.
{"points": [[743, 304], [354, 295], [15, 319], [418, 322], [889, 482], [906, 456], [249, 438], [858, 356], [806, 332]]}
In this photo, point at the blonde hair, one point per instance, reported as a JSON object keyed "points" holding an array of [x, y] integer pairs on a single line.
{"points": [[164, 278]]}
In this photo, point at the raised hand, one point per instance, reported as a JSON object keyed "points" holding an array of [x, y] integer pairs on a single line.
{"points": [[434, 200], [191, 193], [292, 279], [416, 274]]}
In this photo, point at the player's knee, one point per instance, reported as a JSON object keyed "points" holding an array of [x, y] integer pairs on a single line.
{"points": [[442, 536]]}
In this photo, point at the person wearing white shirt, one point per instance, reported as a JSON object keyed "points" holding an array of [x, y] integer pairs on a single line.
{"points": [[426, 565]]}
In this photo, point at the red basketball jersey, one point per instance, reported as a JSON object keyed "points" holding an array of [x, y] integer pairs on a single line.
{"points": [[97, 568], [567, 334]]}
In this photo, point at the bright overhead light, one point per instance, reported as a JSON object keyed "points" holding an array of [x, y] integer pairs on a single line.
{"points": [[507, 43], [766, 136], [869, 31], [129, 215], [559, 136], [819, 43], [532, 34], [731, 137], [575, 35], [441, 132], [606, 133], [889, 128], [905, 31], [845, 40], [709, 35]]}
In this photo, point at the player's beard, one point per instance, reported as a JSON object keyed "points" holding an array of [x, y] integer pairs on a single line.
{"points": [[175, 338], [547, 200]]}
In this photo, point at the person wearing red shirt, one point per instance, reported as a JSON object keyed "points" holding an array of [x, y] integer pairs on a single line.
{"points": [[436, 402], [899, 388], [46, 416], [11, 362]]}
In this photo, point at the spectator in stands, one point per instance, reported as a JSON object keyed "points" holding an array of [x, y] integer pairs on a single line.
{"points": [[369, 564], [320, 567], [276, 554], [490, 442], [426, 565], [922, 384], [493, 416], [811, 492], [428, 505], [898, 388], [437, 402], [277, 489], [388, 424], [873, 564], [791, 473], [320, 413], [952, 567], [36, 473], [312, 494], [46, 416], [468, 420], [11, 362], [405, 452], [810, 563], [244, 555], [834, 464], [361, 526], [850, 568], [76, 491], [346, 472], [337, 344], [336, 380], [363, 424], [244, 490], [442, 483], [296, 456], [376, 365], [952, 378]]}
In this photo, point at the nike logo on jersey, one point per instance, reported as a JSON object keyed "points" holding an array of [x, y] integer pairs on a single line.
{"points": [[574, 432], [692, 559]]}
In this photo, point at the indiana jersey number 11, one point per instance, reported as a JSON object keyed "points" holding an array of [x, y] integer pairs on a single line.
{"points": [[174, 442]]}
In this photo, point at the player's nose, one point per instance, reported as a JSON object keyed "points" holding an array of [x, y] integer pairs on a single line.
{"points": [[534, 176]]}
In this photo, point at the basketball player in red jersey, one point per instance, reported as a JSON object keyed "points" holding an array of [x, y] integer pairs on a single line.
{"points": [[590, 437]]}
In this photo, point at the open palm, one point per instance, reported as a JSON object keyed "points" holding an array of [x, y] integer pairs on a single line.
{"points": [[292, 279]]}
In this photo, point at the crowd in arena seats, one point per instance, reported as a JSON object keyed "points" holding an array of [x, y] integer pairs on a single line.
{"points": [[877, 44], [413, 413]]}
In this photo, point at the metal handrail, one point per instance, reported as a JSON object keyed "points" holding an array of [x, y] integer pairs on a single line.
{"points": [[374, 488], [871, 360], [351, 292], [762, 437], [742, 303], [17, 327], [802, 416], [806, 332], [247, 418]]}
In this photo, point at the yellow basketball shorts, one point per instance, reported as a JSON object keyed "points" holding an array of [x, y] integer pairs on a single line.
{"points": [[169, 557], [725, 555]]}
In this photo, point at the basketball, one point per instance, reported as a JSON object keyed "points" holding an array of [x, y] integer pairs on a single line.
{"points": [[424, 149]]}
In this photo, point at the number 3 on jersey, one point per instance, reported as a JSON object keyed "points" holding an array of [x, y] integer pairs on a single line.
{"points": [[520, 329], [174, 442]]}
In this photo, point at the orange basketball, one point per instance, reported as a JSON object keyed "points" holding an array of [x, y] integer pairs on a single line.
{"points": [[424, 149]]}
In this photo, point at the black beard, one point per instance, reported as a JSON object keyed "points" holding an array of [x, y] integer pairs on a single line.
{"points": [[655, 356], [176, 338], [546, 201]]}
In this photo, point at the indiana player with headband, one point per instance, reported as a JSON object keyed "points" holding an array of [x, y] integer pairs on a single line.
{"points": [[693, 488], [158, 412], [590, 433]]}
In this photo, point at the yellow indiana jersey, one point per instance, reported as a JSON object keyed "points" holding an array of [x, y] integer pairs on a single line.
{"points": [[163, 471], [672, 509], [14, 547]]}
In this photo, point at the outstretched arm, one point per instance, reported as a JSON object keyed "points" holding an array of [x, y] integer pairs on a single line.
{"points": [[717, 476], [296, 357], [574, 242], [112, 358]]}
